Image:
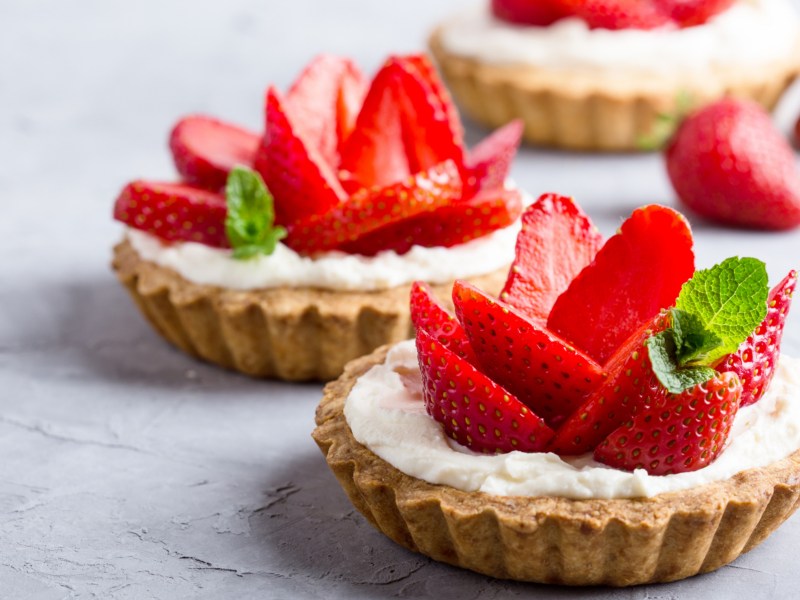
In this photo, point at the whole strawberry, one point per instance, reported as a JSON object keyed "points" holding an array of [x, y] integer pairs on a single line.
{"points": [[729, 163]]}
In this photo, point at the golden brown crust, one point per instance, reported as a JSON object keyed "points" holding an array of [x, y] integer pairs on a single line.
{"points": [[295, 334], [587, 110], [615, 542]]}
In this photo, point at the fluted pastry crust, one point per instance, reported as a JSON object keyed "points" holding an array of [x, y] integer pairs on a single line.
{"points": [[295, 334], [616, 542]]}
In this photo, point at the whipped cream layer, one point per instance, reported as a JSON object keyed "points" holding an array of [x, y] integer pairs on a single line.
{"points": [[332, 270], [386, 413], [751, 32]]}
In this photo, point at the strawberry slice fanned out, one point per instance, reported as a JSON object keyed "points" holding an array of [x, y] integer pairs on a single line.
{"points": [[294, 171], [174, 212], [755, 360], [637, 273], [630, 385], [473, 409], [205, 150], [450, 225], [428, 315], [487, 165], [372, 209], [544, 371], [556, 242], [676, 433], [324, 102]]}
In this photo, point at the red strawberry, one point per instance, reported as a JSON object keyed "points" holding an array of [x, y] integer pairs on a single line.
{"points": [[635, 274], [473, 409], [556, 242], [205, 150], [615, 14], [430, 316], [677, 432], [324, 102], [444, 227], [755, 360], [489, 163], [692, 12], [174, 212], [629, 386], [729, 163], [295, 173], [545, 372], [528, 12], [374, 208]]}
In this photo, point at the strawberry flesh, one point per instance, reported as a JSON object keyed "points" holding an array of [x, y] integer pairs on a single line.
{"points": [[428, 315], [635, 274], [544, 371], [488, 164], [174, 212], [676, 433], [615, 14], [688, 13], [528, 12], [556, 242], [755, 360], [205, 150], [474, 410]]}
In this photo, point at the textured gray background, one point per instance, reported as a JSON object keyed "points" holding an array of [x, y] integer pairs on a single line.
{"points": [[129, 471]]}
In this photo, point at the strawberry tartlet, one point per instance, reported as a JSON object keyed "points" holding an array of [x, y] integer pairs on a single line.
{"points": [[597, 74], [613, 417], [286, 254]]}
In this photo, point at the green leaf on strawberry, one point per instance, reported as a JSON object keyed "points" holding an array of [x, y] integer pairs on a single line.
{"points": [[250, 224], [662, 349]]}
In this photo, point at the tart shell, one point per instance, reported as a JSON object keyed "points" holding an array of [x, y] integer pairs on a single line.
{"points": [[617, 542], [295, 334], [587, 110]]}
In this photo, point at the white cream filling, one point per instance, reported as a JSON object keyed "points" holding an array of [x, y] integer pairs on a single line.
{"points": [[751, 32], [332, 270], [386, 413]]}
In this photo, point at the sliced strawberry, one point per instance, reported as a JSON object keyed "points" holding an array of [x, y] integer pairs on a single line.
{"points": [[556, 242], [206, 149], [692, 12], [755, 360], [677, 433], [437, 88], [528, 12], [428, 314], [635, 274], [473, 409], [295, 172], [374, 208], [444, 227], [323, 103], [174, 212], [615, 14], [630, 385], [488, 164], [545, 372], [375, 154]]}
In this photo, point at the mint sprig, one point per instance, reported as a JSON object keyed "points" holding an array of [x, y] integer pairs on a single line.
{"points": [[716, 310], [250, 223]]}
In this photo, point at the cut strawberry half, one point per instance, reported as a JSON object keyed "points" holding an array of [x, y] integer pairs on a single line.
{"points": [[528, 12], [174, 212], [635, 274], [324, 102], [444, 227], [206, 149], [688, 13], [556, 242], [488, 164], [677, 433], [374, 208], [428, 315], [473, 409], [545, 372], [295, 173], [630, 384], [615, 14], [755, 360]]}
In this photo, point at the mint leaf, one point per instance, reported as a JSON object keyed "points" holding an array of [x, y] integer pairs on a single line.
{"points": [[693, 342], [250, 223], [729, 300], [662, 350]]}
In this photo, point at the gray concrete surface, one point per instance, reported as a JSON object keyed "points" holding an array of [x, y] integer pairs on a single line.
{"points": [[129, 471]]}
